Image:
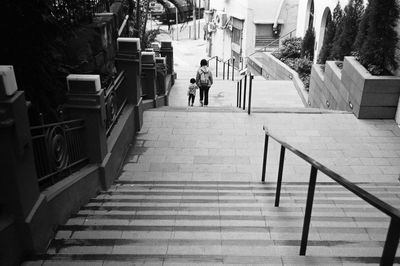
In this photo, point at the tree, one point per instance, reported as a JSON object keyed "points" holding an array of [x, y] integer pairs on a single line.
{"points": [[343, 45], [307, 47], [362, 31], [328, 40], [377, 53]]}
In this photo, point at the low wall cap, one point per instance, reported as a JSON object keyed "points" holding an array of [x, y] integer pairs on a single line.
{"points": [[129, 40], [8, 83], [83, 83]]}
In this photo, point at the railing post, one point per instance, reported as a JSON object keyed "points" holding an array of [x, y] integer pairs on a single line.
{"points": [[85, 99], [240, 94], [128, 59], [167, 51], [227, 72], [20, 198], [391, 243], [233, 69], [250, 89], [244, 92], [280, 171], [237, 94], [223, 70], [264, 167], [149, 76], [216, 66], [307, 215]]}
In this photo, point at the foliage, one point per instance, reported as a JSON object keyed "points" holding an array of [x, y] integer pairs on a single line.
{"points": [[343, 44], [307, 47], [289, 54], [362, 31], [377, 51], [290, 48], [35, 48]]}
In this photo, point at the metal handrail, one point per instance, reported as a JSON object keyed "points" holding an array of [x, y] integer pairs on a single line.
{"points": [[239, 86], [393, 234]]}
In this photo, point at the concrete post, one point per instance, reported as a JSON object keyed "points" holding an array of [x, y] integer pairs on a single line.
{"points": [[167, 51], [129, 59], [85, 100], [19, 189], [149, 75]]}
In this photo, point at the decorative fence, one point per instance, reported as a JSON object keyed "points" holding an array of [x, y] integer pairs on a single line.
{"points": [[58, 150], [115, 100]]}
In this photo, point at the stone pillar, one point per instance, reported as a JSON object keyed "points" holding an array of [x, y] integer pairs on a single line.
{"points": [[19, 189], [149, 75], [161, 75], [167, 51], [129, 60], [85, 100]]}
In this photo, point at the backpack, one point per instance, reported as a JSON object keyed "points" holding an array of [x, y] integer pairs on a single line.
{"points": [[204, 78]]}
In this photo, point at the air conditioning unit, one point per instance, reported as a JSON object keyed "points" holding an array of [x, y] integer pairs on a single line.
{"points": [[220, 19]]}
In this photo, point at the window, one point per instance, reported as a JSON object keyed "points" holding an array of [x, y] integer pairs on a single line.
{"points": [[236, 36]]}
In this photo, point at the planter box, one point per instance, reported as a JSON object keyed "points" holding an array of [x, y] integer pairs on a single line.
{"points": [[371, 96], [354, 89]]}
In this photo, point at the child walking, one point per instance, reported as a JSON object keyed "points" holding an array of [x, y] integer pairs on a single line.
{"points": [[192, 91]]}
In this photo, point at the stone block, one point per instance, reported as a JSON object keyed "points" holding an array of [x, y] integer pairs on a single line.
{"points": [[379, 99], [377, 112], [382, 84]]}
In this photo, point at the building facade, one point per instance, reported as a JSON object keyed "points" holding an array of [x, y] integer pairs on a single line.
{"points": [[237, 28]]}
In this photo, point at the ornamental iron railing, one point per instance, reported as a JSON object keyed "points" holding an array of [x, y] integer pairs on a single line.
{"points": [[115, 100], [58, 150]]}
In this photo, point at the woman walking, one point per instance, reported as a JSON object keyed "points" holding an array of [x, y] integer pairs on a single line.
{"points": [[204, 80]]}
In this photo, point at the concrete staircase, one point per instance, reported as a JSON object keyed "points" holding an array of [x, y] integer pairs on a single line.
{"points": [[196, 222]]}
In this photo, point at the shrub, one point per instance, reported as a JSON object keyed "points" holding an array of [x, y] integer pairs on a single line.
{"points": [[303, 68], [307, 47], [377, 52], [291, 48]]}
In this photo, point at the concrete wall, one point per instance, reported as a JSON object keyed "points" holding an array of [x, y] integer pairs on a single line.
{"points": [[271, 68], [354, 89]]}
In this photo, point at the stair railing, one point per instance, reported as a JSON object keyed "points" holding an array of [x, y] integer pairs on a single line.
{"points": [[241, 85], [393, 234], [226, 67]]}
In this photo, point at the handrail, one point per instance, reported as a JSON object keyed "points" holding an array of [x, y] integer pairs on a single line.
{"points": [[393, 235], [368, 197]]}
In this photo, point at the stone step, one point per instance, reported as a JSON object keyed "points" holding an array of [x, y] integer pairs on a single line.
{"points": [[189, 259], [212, 222]]}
